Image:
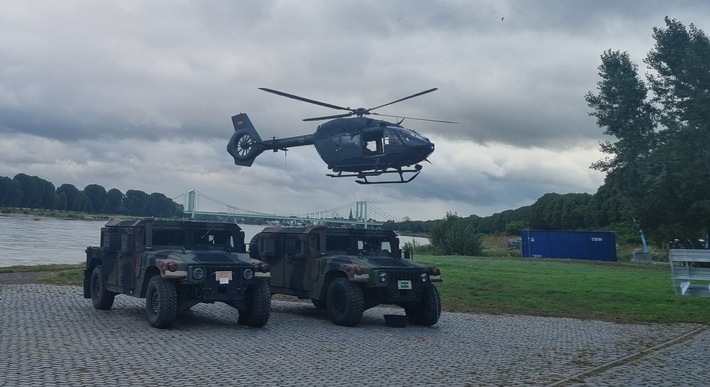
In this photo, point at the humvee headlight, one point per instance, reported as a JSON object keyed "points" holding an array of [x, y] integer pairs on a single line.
{"points": [[383, 276], [172, 265], [435, 271], [248, 274], [359, 270], [198, 273], [424, 277], [264, 267]]}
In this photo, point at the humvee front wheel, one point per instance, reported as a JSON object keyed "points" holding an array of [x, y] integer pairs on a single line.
{"points": [[161, 302], [258, 300], [427, 311], [345, 302], [319, 303], [100, 296]]}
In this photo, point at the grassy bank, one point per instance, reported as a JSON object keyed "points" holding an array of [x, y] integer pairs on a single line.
{"points": [[543, 287], [563, 288]]}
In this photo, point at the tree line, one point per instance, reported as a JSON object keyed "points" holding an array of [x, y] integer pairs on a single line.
{"points": [[32, 192], [657, 162]]}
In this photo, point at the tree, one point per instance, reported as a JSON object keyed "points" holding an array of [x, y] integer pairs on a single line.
{"points": [[622, 111], [10, 192], [96, 196], [31, 190], [114, 202], [137, 203], [71, 193], [660, 160], [455, 236]]}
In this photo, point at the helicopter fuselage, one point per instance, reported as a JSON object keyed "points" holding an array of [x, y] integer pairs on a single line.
{"points": [[357, 144]]}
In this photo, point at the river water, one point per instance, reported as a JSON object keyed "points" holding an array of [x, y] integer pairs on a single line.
{"points": [[31, 240]]}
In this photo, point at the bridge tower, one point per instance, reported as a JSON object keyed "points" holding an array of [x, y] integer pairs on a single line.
{"points": [[192, 203], [361, 212]]}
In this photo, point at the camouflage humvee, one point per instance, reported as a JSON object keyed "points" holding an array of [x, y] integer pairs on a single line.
{"points": [[175, 265], [347, 271]]}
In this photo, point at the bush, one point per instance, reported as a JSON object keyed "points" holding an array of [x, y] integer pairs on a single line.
{"points": [[455, 236]]}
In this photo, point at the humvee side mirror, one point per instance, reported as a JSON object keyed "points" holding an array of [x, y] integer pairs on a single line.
{"points": [[407, 254]]}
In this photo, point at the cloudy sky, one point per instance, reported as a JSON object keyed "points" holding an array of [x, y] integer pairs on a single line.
{"points": [[139, 94]]}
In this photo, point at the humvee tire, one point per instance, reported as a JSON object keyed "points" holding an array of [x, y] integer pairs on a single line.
{"points": [[345, 302], [161, 302], [427, 311], [320, 304], [258, 300], [100, 296]]}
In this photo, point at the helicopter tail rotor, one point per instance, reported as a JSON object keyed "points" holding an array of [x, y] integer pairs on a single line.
{"points": [[245, 143]]}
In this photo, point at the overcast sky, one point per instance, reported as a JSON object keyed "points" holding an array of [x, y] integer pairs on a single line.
{"points": [[140, 94]]}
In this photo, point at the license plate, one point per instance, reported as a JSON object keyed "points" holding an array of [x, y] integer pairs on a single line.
{"points": [[223, 277], [404, 284]]}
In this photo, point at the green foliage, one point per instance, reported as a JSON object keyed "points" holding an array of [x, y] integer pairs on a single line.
{"points": [[34, 193], [515, 227], [658, 170], [455, 236]]}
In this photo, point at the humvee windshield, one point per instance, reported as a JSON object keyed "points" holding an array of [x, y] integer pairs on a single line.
{"points": [[196, 238], [353, 245]]}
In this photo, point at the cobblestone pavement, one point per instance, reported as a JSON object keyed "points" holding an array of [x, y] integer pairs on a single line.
{"points": [[51, 335]]}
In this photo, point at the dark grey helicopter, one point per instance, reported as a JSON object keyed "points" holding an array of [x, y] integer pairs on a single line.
{"points": [[359, 147]]}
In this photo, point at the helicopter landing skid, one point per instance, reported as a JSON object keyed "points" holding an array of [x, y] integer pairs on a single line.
{"points": [[364, 175]]}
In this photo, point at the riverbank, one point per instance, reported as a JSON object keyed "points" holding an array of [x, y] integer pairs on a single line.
{"points": [[56, 215]]}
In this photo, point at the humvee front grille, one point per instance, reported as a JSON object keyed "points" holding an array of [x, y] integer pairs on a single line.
{"points": [[213, 258], [405, 275]]}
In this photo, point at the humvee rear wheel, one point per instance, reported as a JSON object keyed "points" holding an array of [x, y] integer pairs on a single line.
{"points": [[258, 300], [100, 296], [427, 311], [161, 302], [345, 302]]}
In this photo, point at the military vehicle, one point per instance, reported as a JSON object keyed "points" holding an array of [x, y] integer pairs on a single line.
{"points": [[174, 265], [347, 271]]}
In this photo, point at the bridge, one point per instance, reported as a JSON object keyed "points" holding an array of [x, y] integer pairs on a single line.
{"points": [[356, 214]]}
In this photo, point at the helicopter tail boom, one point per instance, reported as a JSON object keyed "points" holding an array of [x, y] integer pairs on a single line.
{"points": [[245, 143]]}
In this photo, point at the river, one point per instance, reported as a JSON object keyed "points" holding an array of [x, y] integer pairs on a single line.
{"points": [[32, 240]]}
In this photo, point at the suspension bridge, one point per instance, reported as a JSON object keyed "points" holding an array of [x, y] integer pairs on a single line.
{"points": [[198, 205]]}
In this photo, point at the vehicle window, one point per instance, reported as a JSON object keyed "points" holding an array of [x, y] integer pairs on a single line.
{"points": [[391, 137], [219, 238], [293, 246], [348, 140], [168, 238]]}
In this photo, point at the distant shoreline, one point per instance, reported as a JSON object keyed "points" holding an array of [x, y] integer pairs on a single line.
{"points": [[54, 215]]}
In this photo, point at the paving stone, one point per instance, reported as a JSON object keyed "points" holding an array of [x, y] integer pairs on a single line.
{"points": [[51, 335]]}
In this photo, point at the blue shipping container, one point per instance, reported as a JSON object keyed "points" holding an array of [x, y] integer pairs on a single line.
{"points": [[590, 245]]}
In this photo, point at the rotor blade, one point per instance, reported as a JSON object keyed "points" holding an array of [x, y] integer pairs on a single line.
{"points": [[418, 119], [405, 98], [328, 117], [287, 95]]}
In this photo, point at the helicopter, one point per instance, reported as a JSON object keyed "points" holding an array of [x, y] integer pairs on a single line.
{"points": [[359, 147]]}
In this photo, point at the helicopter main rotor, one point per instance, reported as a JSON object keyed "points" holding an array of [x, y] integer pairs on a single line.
{"points": [[359, 112]]}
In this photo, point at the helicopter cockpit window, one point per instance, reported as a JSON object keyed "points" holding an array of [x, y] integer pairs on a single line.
{"points": [[391, 137], [413, 138]]}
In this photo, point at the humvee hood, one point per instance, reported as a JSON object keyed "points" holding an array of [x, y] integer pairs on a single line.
{"points": [[374, 262], [197, 256]]}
